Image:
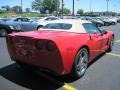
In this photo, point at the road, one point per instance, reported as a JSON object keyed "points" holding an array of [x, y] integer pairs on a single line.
{"points": [[103, 74]]}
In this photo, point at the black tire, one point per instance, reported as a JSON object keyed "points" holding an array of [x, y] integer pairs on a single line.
{"points": [[40, 26], [26, 67], [3, 32], [106, 24], [111, 44], [81, 63], [113, 23], [99, 25]]}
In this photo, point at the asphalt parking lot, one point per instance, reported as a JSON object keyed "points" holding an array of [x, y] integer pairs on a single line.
{"points": [[103, 74]]}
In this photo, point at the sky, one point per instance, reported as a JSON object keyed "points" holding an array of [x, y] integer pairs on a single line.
{"points": [[96, 5]]}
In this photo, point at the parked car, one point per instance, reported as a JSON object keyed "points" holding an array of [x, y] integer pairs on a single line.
{"points": [[61, 46], [41, 22], [118, 19], [7, 29], [17, 25], [96, 22], [111, 21], [105, 21]]}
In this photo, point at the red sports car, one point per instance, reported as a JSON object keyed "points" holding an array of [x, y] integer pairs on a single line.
{"points": [[61, 46]]}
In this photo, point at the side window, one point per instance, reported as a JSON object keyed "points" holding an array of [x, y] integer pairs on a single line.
{"points": [[18, 20], [53, 26], [66, 26], [47, 19], [63, 26], [54, 18], [26, 20], [91, 28]]}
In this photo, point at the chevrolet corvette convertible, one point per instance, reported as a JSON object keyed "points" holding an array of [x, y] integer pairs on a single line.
{"points": [[61, 46]]}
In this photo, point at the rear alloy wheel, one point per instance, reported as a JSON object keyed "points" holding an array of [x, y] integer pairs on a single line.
{"points": [[3, 32], [111, 44], [81, 63]]}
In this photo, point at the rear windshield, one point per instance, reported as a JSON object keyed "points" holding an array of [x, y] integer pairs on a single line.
{"points": [[64, 26]]}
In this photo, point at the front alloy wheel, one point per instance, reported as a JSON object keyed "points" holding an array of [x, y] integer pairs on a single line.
{"points": [[111, 44], [3, 32], [81, 63]]}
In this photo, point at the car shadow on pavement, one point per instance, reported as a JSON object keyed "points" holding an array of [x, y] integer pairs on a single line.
{"points": [[32, 81], [96, 59]]}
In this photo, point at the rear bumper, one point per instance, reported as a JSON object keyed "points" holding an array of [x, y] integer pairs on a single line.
{"points": [[29, 54], [50, 65]]}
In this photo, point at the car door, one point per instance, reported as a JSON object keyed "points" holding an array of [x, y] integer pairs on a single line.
{"points": [[105, 41], [29, 26], [96, 39]]}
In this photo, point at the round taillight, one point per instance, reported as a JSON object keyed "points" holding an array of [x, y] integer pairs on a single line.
{"points": [[40, 44], [50, 46]]}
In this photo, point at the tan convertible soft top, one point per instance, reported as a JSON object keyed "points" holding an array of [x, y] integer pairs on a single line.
{"points": [[77, 25]]}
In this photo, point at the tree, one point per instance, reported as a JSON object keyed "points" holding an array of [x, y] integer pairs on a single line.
{"points": [[50, 5], [80, 12], [37, 5], [27, 10], [43, 5], [5, 8], [65, 11], [8, 8], [16, 9]]}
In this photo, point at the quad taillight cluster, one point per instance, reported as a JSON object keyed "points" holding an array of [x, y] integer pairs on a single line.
{"points": [[39, 44], [45, 45]]}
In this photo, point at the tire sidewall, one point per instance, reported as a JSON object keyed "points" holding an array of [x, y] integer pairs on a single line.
{"points": [[5, 31], [75, 72], [111, 41]]}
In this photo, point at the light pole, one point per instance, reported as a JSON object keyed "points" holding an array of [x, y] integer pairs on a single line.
{"points": [[107, 5], [114, 7], [78, 3], [90, 5], [62, 7], [57, 7], [21, 7], [73, 13]]}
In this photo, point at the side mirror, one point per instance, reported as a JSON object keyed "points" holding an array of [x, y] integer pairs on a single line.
{"points": [[104, 31]]}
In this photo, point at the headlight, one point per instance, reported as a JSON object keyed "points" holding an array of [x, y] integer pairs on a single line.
{"points": [[11, 27]]}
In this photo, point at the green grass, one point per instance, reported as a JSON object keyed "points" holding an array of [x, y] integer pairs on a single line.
{"points": [[6, 14]]}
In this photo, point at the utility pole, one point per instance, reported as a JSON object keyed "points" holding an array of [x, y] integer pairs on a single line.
{"points": [[114, 7], [21, 7], [107, 6], [57, 7], [62, 7], [90, 5], [73, 13]]}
